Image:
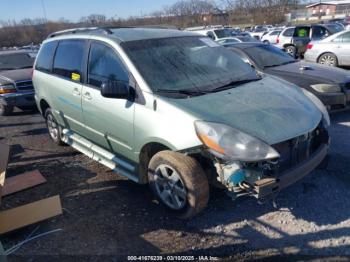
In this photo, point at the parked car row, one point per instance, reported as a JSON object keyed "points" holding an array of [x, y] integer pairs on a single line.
{"points": [[180, 112]]}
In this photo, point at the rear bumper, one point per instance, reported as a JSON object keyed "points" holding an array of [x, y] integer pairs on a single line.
{"points": [[269, 186], [18, 99]]}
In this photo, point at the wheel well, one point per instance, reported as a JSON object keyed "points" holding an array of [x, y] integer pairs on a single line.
{"points": [[44, 106], [146, 154], [287, 45]]}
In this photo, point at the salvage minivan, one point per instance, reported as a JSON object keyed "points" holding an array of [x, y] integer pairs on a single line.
{"points": [[178, 111]]}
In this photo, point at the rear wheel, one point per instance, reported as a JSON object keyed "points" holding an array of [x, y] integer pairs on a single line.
{"points": [[179, 182], [266, 42], [328, 59], [53, 127], [291, 50], [5, 110]]}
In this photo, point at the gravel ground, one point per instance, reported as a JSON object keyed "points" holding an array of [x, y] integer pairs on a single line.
{"points": [[107, 216]]}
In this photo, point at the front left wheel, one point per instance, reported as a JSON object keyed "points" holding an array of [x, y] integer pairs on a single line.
{"points": [[179, 182]]}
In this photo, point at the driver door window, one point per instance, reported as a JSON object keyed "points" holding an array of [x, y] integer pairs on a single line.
{"points": [[105, 65]]}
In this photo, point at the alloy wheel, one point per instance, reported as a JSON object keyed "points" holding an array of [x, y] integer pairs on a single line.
{"points": [[170, 187], [53, 127], [328, 60]]}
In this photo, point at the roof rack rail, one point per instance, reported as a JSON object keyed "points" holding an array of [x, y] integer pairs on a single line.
{"points": [[105, 29], [79, 30]]}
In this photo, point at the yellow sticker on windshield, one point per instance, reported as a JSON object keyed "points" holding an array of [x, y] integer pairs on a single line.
{"points": [[75, 77]]}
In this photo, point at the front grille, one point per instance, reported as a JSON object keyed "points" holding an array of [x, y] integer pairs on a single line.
{"points": [[299, 149], [24, 85]]}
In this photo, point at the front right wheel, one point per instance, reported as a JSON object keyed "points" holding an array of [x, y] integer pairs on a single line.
{"points": [[179, 182]]}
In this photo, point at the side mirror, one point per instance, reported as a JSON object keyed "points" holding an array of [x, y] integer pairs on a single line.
{"points": [[115, 89]]}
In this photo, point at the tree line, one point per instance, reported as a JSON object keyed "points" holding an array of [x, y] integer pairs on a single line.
{"points": [[181, 14]]}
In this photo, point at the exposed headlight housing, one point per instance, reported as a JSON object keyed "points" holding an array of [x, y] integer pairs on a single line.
{"points": [[6, 89], [326, 88], [229, 143], [317, 102]]}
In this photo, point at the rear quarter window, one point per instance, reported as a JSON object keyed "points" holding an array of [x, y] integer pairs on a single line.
{"points": [[45, 57]]}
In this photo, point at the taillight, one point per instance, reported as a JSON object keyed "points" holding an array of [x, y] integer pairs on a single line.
{"points": [[278, 40], [309, 46]]}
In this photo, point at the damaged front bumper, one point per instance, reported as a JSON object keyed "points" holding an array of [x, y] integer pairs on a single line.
{"points": [[268, 186], [262, 180]]}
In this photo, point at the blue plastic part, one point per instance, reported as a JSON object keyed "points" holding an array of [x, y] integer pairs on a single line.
{"points": [[237, 177]]}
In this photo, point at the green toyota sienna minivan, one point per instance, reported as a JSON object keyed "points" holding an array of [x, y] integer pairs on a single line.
{"points": [[176, 110]]}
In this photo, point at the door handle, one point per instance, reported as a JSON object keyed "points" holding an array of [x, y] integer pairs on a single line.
{"points": [[76, 92], [87, 96]]}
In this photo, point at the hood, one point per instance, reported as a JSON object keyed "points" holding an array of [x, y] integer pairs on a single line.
{"points": [[312, 74], [15, 75], [270, 109]]}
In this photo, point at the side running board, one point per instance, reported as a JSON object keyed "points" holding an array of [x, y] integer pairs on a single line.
{"points": [[99, 154]]}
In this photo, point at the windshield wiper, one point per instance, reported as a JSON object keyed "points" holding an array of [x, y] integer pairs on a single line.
{"points": [[234, 84], [281, 64], [188, 92]]}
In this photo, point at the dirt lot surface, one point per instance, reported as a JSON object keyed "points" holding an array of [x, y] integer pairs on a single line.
{"points": [[107, 216]]}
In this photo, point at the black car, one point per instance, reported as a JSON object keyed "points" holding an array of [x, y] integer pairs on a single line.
{"points": [[330, 85]]}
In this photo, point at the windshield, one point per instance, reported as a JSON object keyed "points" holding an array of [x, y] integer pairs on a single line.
{"points": [[183, 63], [15, 61], [268, 56], [221, 33]]}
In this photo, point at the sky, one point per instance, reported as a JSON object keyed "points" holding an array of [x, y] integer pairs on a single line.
{"points": [[75, 9]]}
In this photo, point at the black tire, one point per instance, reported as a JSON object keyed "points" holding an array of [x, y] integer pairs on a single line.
{"points": [[5, 110], [192, 179], [266, 42], [329, 59], [55, 131], [291, 50]]}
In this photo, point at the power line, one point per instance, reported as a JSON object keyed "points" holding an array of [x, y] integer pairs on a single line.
{"points": [[44, 9]]}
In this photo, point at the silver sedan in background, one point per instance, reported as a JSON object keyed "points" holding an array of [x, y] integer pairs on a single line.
{"points": [[333, 50]]}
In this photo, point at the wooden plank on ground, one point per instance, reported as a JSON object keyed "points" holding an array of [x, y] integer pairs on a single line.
{"points": [[21, 182], [4, 157], [29, 214]]}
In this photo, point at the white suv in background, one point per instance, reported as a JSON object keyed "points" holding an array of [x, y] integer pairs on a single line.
{"points": [[271, 37], [285, 37]]}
